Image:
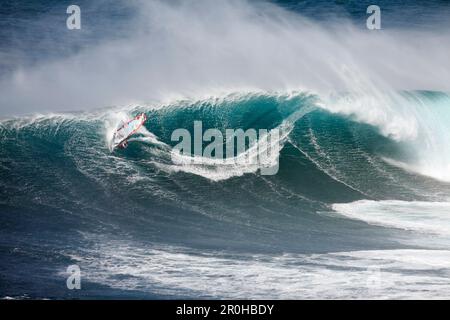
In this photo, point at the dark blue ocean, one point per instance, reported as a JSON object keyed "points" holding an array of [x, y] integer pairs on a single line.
{"points": [[360, 204]]}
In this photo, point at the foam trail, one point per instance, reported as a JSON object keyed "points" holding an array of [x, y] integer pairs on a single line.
{"points": [[248, 161], [427, 217]]}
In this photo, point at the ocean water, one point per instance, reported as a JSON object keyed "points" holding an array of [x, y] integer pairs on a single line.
{"points": [[360, 205]]}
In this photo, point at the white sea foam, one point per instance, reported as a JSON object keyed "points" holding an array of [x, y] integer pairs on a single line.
{"points": [[428, 217], [377, 274]]}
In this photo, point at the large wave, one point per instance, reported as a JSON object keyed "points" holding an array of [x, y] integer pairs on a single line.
{"points": [[363, 174], [364, 153]]}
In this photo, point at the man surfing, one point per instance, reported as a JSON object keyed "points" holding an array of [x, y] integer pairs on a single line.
{"points": [[127, 129], [123, 145]]}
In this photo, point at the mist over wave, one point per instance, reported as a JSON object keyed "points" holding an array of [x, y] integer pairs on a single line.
{"points": [[201, 48]]}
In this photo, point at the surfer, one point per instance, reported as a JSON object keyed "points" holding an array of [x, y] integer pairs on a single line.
{"points": [[123, 145], [127, 129]]}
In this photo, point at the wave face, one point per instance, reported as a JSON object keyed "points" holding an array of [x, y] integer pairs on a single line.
{"points": [[358, 208], [135, 221]]}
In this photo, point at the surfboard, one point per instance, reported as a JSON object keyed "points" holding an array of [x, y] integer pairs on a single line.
{"points": [[128, 129]]}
